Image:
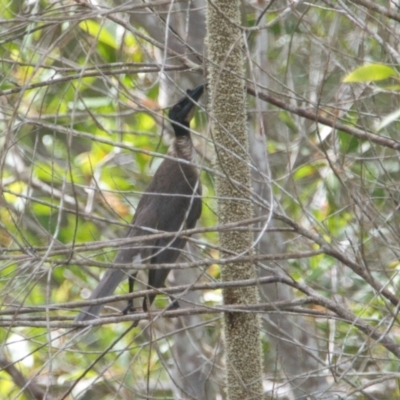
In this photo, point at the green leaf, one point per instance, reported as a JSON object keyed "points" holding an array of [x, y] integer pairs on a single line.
{"points": [[99, 32], [145, 122], [370, 73], [348, 142], [286, 118], [306, 170]]}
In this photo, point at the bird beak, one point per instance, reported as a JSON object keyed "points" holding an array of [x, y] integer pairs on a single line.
{"points": [[188, 105]]}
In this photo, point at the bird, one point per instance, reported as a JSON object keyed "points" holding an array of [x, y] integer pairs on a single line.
{"points": [[171, 203]]}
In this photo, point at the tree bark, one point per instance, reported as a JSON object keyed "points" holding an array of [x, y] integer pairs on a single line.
{"points": [[228, 126]]}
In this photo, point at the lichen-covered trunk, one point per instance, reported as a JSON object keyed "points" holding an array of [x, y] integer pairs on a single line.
{"points": [[228, 125]]}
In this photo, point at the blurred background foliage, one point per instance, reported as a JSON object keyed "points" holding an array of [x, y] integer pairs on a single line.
{"points": [[83, 129]]}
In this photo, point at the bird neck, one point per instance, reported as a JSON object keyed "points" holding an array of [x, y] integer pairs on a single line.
{"points": [[181, 129], [182, 147]]}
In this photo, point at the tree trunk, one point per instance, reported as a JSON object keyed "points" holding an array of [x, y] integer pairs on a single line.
{"points": [[228, 126]]}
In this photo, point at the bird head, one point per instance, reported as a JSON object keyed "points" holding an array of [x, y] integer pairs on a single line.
{"points": [[182, 112]]}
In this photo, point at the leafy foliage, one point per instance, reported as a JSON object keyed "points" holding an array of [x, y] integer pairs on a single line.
{"points": [[83, 129]]}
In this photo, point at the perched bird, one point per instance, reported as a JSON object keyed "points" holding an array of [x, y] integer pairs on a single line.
{"points": [[171, 203]]}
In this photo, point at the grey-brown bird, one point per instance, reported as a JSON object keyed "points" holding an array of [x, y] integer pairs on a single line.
{"points": [[171, 203]]}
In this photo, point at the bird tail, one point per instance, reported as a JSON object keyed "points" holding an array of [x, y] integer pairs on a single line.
{"points": [[106, 287]]}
